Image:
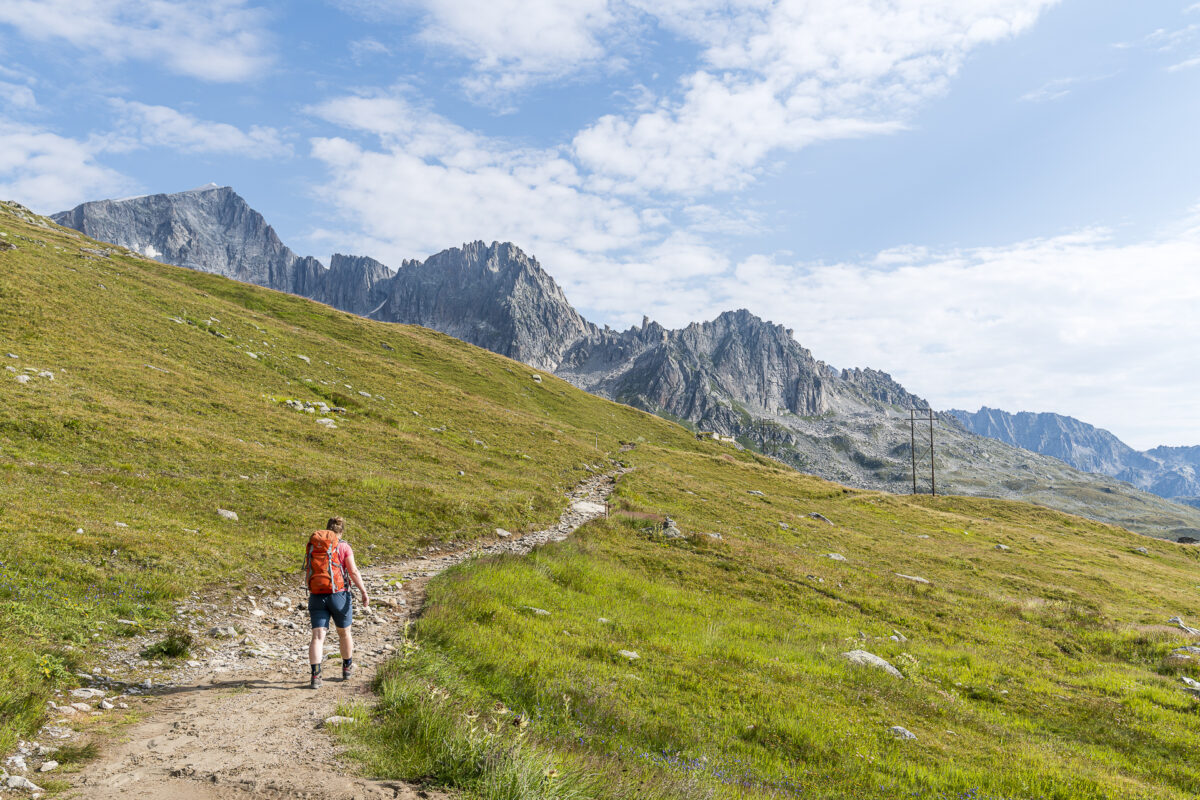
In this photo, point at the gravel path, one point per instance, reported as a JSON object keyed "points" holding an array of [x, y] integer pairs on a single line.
{"points": [[242, 723]]}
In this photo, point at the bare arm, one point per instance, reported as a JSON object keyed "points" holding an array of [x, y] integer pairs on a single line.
{"points": [[356, 579]]}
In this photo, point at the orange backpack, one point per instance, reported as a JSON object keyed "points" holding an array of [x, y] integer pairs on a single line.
{"points": [[322, 568]]}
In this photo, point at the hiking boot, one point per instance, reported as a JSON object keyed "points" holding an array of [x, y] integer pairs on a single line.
{"points": [[315, 683], [347, 672]]}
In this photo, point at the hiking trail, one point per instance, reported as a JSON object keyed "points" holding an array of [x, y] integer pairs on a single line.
{"points": [[243, 724]]}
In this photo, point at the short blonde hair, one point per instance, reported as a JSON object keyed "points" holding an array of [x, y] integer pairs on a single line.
{"points": [[336, 524]]}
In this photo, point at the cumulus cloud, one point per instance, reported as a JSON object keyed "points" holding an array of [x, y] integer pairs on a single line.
{"points": [[162, 126], [782, 75], [432, 182], [214, 40], [511, 44], [49, 173]]}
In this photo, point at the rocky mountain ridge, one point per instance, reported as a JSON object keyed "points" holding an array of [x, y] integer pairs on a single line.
{"points": [[737, 376], [1171, 472]]}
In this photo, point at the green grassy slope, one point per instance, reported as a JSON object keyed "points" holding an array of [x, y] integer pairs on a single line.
{"points": [[1041, 671], [157, 415]]}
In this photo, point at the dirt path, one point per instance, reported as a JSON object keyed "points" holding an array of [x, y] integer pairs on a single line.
{"points": [[244, 724]]}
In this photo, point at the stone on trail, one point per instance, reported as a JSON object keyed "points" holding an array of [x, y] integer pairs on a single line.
{"points": [[628, 654], [588, 507], [227, 514], [48, 766], [17, 782], [862, 658], [834, 556], [107, 706], [86, 694], [503, 534], [901, 732], [913, 578], [223, 632], [16, 763], [83, 708]]}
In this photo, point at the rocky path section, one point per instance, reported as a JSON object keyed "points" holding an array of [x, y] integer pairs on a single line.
{"points": [[241, 723]]}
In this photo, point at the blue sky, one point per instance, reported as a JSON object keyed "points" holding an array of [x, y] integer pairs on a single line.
{"points": [[997, 201]]}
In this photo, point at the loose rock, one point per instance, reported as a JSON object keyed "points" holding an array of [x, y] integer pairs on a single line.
{"points": [[227, 514], [913, 578], [334, 721], [821, 517], [901, 732], [864, 659], [834, 556], [628, 654]]}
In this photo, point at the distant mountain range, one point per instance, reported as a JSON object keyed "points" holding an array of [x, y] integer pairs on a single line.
{"points": [[737, 376], [1172, 472]]}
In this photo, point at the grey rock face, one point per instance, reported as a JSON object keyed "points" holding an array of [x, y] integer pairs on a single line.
{"points": [[210, 229], [493, 296], [1172, 472]]}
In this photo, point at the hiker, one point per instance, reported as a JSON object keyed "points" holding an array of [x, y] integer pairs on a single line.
{"points": [[328, 562]]}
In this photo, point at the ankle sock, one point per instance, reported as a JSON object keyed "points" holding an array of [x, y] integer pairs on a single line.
{"points": [[347, 663], [316, 669]]}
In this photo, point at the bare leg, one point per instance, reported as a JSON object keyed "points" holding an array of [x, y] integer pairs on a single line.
{"points": [[316, 648], [346, 641]]}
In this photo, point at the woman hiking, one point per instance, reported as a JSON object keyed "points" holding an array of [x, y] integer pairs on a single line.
{"points": [[328, 562]]}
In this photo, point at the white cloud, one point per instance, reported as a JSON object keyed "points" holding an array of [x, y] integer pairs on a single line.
{"points": [[17, 97], [1050, 91], [147, 125], [214, 40], [433, 183], [510, 43], [49, 173], [782, 75]]}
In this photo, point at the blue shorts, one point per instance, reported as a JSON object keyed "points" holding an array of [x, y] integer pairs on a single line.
{"points": [[339, 606]]}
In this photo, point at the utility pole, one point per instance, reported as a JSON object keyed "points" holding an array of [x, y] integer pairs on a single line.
{"points": [[913, 419], [912, 444]]}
